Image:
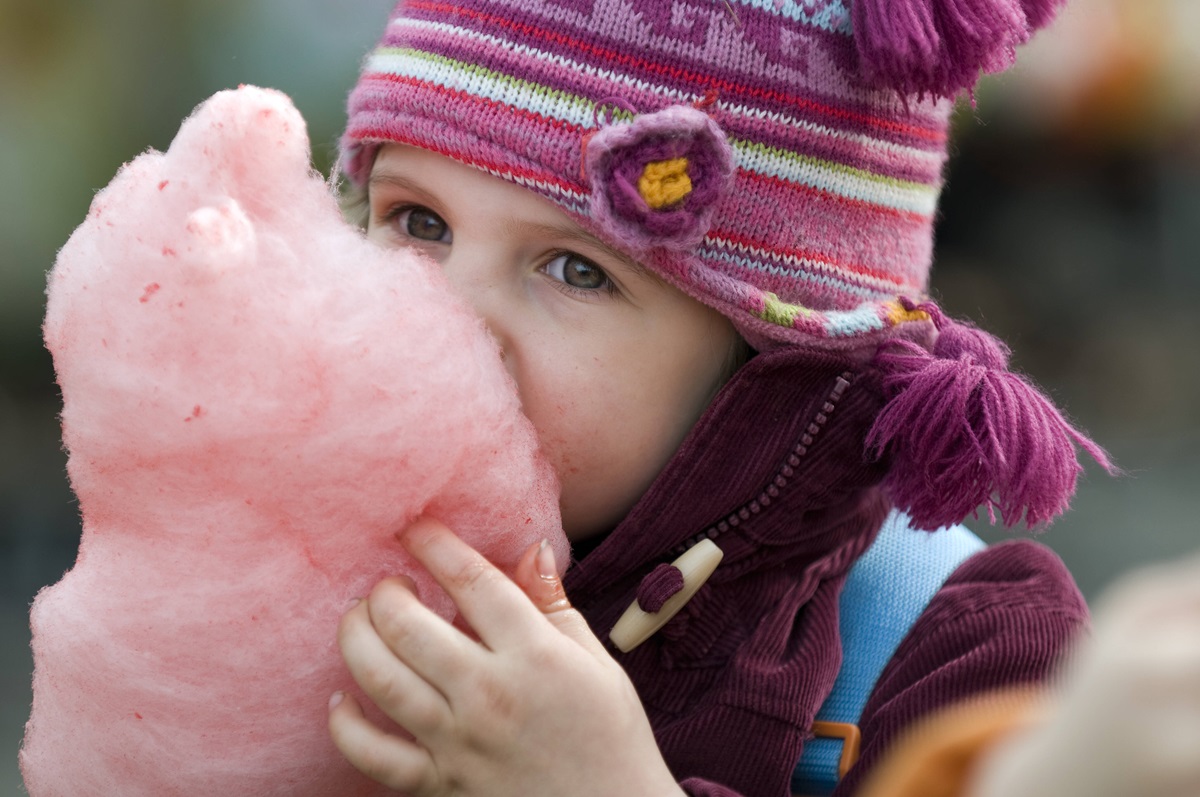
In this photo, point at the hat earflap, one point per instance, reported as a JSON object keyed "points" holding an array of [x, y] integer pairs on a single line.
{"points": [[962, 431], [939, 47]]}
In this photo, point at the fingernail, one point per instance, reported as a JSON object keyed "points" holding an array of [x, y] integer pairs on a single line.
{"points": [[545, 561], [350, 604], [335, 698]]}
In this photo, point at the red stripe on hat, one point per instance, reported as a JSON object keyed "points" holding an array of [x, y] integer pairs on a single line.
{"points": [[726, 236], [857, 204], [461, 94], [376, 134], [723, 86]]}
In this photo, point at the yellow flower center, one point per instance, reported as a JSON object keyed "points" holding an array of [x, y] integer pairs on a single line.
{"points": [[665, 183], [897, 314]]}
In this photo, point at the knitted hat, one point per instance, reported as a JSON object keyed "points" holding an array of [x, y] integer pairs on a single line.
{"points": [[778, 160]]}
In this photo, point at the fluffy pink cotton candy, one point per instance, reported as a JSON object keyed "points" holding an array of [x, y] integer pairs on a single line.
{"points": [[256, 400]]}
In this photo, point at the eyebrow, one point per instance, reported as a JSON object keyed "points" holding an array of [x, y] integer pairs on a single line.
{"points": [[393, 180]]}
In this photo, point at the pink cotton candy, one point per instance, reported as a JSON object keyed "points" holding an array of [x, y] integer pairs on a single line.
{"points": [[256, 400]]}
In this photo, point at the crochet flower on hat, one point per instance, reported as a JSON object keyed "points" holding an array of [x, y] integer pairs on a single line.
{"points": [[656, 179]]}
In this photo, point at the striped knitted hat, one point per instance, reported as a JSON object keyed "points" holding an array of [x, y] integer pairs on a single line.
{"points": [[779, 160]]}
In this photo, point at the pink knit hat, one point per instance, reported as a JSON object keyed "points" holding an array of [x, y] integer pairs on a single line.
{"points": [[778, 160]]}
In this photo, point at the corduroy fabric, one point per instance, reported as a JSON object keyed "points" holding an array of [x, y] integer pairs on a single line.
{"points": [[732, 683], [828, 218], [1004, 619], [735, 678]]}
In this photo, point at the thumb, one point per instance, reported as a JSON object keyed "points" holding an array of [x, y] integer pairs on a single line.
{"points": [[537, 575]]}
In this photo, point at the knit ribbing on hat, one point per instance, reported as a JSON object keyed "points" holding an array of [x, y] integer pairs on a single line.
{"points": [[827, 219]]}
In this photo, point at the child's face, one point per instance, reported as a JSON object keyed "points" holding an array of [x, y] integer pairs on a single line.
{"points": [[613, 365]]}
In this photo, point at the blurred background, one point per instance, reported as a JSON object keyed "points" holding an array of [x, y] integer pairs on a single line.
{"points": [[1071, 228]]}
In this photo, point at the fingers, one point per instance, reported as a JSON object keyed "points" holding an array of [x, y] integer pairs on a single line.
{"points": [[378, 657], [491, 604], [495, 607], [396, 763], [537, 575], [418, 636]]}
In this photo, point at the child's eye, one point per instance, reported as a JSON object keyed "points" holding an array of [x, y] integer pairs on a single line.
{"points": [[579, 273], [421, 223]]}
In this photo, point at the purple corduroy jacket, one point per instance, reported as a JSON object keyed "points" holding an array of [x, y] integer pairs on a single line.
{"points": [[775, 473]]}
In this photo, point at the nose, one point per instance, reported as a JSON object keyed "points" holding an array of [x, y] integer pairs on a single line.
{"points": [[476, 276]]}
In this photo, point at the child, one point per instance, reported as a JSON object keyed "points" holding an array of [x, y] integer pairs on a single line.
{"points": [[701, 232]]}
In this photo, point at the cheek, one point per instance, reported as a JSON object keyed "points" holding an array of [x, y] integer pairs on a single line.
{"points": [[608, 432], [610, 420], [569, 411], [581, 419]]}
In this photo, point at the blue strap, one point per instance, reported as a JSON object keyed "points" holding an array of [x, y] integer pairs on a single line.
{"points": [[885, 592]]}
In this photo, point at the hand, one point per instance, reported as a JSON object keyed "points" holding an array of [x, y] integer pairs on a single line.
{"points": [[1129, 719], [535, 706]]}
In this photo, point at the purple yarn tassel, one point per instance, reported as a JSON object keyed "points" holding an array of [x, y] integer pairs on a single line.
{"points": [[1040, 13], [963, 431], [939, 47]]}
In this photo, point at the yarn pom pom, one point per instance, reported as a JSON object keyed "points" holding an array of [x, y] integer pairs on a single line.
{"points": [[939, 47], [963, 431], [1040, 13]]}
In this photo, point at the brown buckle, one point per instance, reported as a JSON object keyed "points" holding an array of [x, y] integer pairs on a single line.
{"points": [[851, 741], [851, 738]]}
